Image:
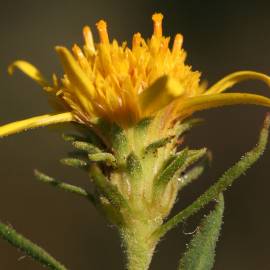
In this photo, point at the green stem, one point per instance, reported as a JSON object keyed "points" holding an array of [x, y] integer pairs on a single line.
{"points": [[29, 248], [139, 252]]}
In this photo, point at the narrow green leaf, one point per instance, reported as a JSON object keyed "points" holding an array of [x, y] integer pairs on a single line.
{"points": [[87, 147], [72, 137], [108, 158], [64, 186], [200, 253], [188, 124], [167, 174], [74, 162], [194, 173], [194, 156], [106, 188], [153, 147], [191, 175], [88, 136], [221, 185], [29, 248]]}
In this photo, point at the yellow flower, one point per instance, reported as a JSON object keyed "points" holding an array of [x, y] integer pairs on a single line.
{"points": [[123, 85]]}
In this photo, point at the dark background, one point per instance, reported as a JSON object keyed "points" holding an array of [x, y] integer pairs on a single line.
{"points": [[220, 37]]}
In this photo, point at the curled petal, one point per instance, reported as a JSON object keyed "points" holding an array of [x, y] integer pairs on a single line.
{"points": [[234, 78], [163, 91], [34, 122], [29, 70], [191, 105]]}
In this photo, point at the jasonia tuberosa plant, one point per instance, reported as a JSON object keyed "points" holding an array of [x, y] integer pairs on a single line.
{"points": [[129, 108]]}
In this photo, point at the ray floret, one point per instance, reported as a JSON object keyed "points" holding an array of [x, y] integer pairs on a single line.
{"points": [[35, 122], [122, 85]]}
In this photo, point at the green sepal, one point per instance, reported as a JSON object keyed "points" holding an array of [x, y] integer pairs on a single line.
{"points": [[190, 176], [200, 253], [187, 125], [87, 147], [143, 125], [74, 162], [168, 173], [195, 155], [134, 167], [111, 212], [119, 143], [141, 131], [106, 188], [64, 186], [108, 158], [196, 171], [72, 137], [153, 147], [88, 134]]}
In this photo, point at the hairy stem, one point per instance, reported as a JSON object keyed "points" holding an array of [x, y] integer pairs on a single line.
{"points": [[139, 252]]}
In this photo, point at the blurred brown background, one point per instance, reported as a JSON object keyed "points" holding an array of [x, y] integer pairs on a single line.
{"points": [[220, 37]]}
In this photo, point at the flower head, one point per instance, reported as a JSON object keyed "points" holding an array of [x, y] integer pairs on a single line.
{"points": [[123, 85]]}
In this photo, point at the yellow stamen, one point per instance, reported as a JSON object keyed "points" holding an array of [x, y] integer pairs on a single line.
{"points": [[88, 38], [80, 57], [75, 73], [157, 19], [34, 122], [199, 103], [136, 40], [29, 70], [164, 44], [237, 77], [78, 52], [102, 30], [124, 84], [177, 44]]}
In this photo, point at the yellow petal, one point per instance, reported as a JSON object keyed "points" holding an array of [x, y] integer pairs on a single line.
{"points": [[75, 73], [159, 94], [29, 70], [199, 103], [237, 77], [34, 122]]}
